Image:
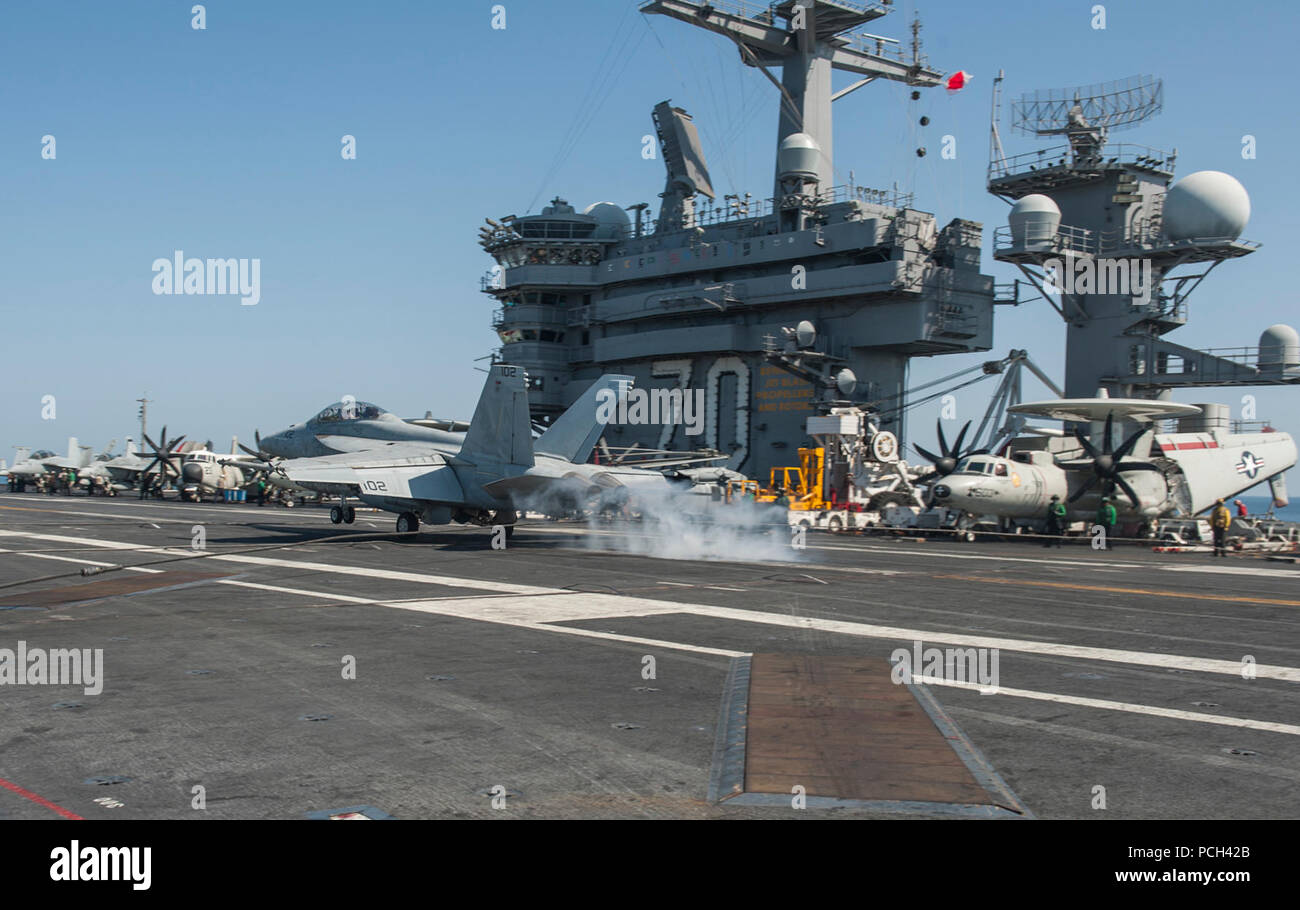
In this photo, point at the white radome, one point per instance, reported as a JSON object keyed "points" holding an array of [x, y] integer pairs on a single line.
{"points": [[1279, 345], [798, 156], [1206, 205], [1034, 219]]}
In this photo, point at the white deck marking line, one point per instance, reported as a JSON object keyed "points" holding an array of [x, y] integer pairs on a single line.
{"points": [[346, 598], [136, 518], [948, 555], [1239, 570], [721, 588], [499, 587], [676, 584], [1108, 705], [617, 605], [88, 562]]}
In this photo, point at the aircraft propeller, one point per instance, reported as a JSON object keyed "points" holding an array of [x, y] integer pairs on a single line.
{"points": [[163, 455], [946, 463], [1109, 464]]}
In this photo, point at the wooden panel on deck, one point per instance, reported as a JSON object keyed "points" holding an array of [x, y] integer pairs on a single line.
{"points": [[840, 727], [113, 586]]}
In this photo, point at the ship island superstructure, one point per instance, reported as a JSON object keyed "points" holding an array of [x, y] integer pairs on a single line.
{"points": [[697, 297]]}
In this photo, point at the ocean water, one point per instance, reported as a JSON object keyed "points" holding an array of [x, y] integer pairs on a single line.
{"points": [[1259, 504]]}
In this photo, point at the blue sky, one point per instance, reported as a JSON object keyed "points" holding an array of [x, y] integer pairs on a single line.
{"points": [[225, 143]]}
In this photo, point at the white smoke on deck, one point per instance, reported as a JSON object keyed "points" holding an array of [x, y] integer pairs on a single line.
{"points": [[674, 524]]}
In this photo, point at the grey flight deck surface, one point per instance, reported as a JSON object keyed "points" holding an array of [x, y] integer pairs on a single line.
{"points": [[478, 668]]}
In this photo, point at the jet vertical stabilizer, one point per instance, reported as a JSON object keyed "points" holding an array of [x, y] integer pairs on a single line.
{"points": [[574, 433], [501, 431], [1277, 487]]}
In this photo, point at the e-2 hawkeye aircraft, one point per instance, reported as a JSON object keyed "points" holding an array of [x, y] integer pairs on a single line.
{"points": [[485, 479], [1175, 474]]}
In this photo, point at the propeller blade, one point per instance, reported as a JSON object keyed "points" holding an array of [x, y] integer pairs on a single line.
{"points": [[1128, 491], [153, 445], [943, 441], [1110, 422], [1088, 447], [257, 439], [1078, 494], [926, 453], [961, 437], [1128, 444], [248, 451]]}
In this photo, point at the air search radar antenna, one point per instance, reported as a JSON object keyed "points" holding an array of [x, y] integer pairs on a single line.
{"points": [[1087, 114]]}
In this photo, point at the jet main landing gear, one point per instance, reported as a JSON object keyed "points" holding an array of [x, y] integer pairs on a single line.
{"points": [[407, 522]]}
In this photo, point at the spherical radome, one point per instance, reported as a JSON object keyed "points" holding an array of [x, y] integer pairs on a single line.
{"points": [[1034, 219], [1206, 205], [612, 221], [1279, 345], [798, 156]]}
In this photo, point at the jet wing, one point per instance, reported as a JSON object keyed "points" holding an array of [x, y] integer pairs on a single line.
{"points": [[380, 448], [404, 470], [554, 475], [449, 424]]}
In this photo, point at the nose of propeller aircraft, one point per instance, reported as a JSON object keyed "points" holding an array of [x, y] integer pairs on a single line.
{"points": [[192, 472]]}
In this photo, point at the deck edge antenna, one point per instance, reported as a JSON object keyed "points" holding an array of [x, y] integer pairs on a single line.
{"points": [[996, 153], [1087, 114]]}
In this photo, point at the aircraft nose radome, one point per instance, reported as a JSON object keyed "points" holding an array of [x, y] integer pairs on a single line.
{"points": [[273, 443], [192, 473], [942, 491]]}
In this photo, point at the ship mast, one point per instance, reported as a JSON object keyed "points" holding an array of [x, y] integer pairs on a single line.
{"points": [[814, 40]]}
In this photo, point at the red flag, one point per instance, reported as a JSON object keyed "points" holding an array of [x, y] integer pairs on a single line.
{"points": [[958, 81]]}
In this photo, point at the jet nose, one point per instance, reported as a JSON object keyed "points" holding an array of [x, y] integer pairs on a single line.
{"points": [[275, 444], [192, 472]]}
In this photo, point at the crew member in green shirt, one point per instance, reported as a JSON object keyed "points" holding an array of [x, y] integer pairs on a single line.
{"points": [[1055, 521], [1107, 517]]}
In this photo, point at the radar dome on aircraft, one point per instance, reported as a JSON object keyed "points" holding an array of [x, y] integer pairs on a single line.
{"points": [[798, 157], [611, 221], [1034, 219], [1279, 348], [1206, 205]]}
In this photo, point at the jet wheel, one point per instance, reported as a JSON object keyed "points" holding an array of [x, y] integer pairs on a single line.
{"points": [[349, 515], [336, 515], [407, 522]]}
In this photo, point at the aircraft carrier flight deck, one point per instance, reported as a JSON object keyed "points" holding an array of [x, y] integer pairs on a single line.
{"points": [[292, 669]]}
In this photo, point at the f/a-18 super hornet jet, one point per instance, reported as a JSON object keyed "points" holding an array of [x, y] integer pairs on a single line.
{"points": [[1149, 475], [48, 470], [27, 467], [354, 426], [488, 477]]}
